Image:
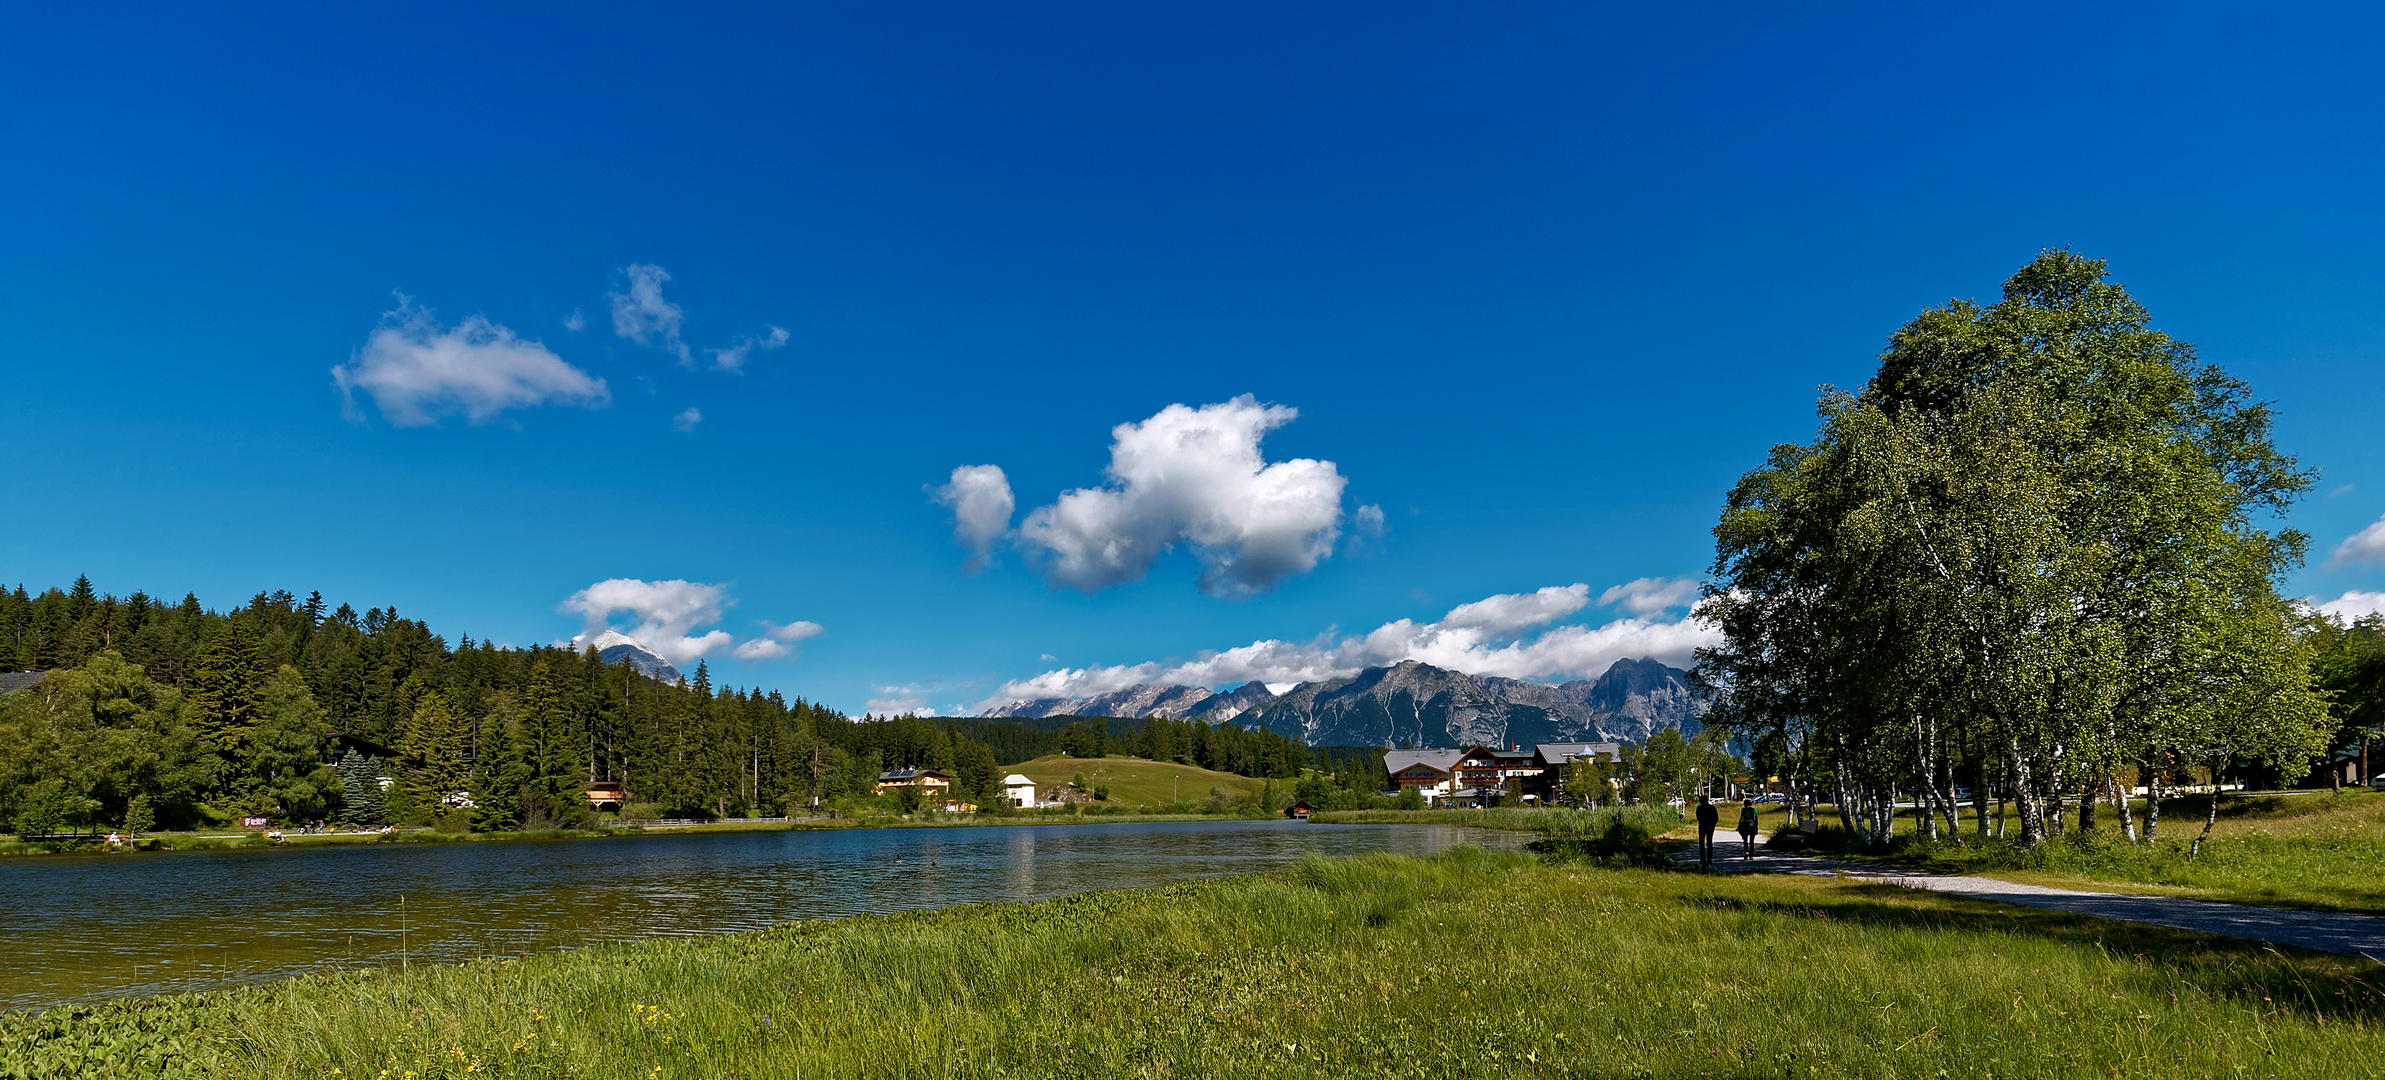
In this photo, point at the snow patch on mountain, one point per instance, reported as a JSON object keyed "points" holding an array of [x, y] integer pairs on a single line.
{"points": [[1418, 704], [615, 647]]}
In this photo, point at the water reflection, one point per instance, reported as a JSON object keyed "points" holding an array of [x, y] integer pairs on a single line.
{"points": [[89, 929]]}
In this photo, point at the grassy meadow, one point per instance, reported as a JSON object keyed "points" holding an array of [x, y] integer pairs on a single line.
{"points": [[1467, 964], [2316, 849], [1136, 782]]}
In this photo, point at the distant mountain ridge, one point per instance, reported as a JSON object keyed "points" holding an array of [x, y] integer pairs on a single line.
{"points": [[614, 646], [1418, 704]]}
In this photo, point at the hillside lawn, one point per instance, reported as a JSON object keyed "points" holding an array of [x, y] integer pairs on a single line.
{"points": [[1136, 782], [1467, 964]]}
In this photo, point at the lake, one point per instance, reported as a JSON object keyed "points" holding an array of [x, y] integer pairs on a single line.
{"points": [[91, 928]]}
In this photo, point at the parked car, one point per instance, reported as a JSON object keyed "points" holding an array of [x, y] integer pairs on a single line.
{"points": [[2377, 781]]}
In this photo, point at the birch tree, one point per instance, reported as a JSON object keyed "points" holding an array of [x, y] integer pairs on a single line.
{"points": [[2035, 540]]}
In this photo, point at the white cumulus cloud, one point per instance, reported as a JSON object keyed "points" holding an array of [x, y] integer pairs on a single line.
{"points": [[732, 359], [641, 314], [1194, 477], [669, 618], [1479, 638], [1509, 612], [777, 641], [2353, 606], [981, 503], [898, 701], [685, 423], [1649, 595], [417, 371], [2365, 546]]}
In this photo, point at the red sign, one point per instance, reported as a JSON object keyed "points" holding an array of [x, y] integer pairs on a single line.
{"points": [[254, 822]]}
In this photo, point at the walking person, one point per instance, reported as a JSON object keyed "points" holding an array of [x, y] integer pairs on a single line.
{"points": [[1747, 828], [1708, 817]]}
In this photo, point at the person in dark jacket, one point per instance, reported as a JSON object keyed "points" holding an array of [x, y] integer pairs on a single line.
{"points": [[1708, 817], [1747, 828]]}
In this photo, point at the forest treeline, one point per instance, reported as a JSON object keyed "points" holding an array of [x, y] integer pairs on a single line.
{"points": [[171, 715]]}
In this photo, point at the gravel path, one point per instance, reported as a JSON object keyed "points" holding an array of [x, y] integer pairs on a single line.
{"points": [[2323, 931]]}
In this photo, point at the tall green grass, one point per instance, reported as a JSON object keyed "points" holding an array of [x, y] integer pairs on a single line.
{"points": [[1468, 964]]}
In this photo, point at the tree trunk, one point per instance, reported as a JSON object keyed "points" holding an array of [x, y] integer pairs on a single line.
{"points": [[2153, 798], [1925, 771], [1979, 791], [2024, 793], [2209, 819], [2087, 796], [2120, 796], [1846, 805]]}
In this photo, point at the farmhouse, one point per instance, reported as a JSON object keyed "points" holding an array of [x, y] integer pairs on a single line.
{"points": [[934, 784], [1428, 771], [1478, 774], [1018, 790]]}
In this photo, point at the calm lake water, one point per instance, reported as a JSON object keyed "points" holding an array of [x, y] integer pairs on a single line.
{"points": [[101, 927]]}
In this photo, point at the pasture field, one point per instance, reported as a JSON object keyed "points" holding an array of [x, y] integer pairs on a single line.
{"points": [[1467, 964], [1135, 782]]}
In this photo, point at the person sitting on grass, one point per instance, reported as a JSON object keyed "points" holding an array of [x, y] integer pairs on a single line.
{"points": [[1747, 828]]}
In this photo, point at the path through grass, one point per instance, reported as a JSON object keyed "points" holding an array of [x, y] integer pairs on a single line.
{"points": [[2319, 850]]}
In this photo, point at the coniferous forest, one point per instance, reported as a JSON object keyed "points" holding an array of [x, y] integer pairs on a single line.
{"points": [[167, 715]]}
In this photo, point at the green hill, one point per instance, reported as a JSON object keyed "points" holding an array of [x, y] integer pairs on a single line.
{"points": [[1133, 781]]}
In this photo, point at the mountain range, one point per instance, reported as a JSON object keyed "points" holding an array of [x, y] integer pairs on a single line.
{"points": [[1420, 705]]}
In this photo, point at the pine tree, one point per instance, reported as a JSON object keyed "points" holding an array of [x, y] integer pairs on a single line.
{"points": [[555, 752], [433, 742], [497, 778], [225, 685], [80, 600], [360, 791]]}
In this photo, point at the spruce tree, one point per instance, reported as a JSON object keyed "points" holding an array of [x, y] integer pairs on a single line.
{"points": [[360, 791], [554, 752], [225, 687], [497, 778], [433, 742], [81, 599]]}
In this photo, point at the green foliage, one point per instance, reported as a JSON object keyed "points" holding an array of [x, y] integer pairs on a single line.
{"points": [[361, 797], [211, 714], [2031, 553], [139, 817], [227, 688]]}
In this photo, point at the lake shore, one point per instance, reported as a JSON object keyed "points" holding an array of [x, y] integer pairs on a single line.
{"points": [[1375, 965], [217, 841]]}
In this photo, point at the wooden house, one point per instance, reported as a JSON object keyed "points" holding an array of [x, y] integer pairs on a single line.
{"points": [[606, 796], [933, 783]]}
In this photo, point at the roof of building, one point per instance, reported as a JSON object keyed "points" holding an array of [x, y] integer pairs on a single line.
{"points": [[1439, 760], [1495, 754], [1017, 780], [11, 681], [897, 776], [1559, 752]]}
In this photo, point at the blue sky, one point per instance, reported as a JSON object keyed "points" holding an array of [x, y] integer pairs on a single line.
{"points": [[1538, 280]]}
